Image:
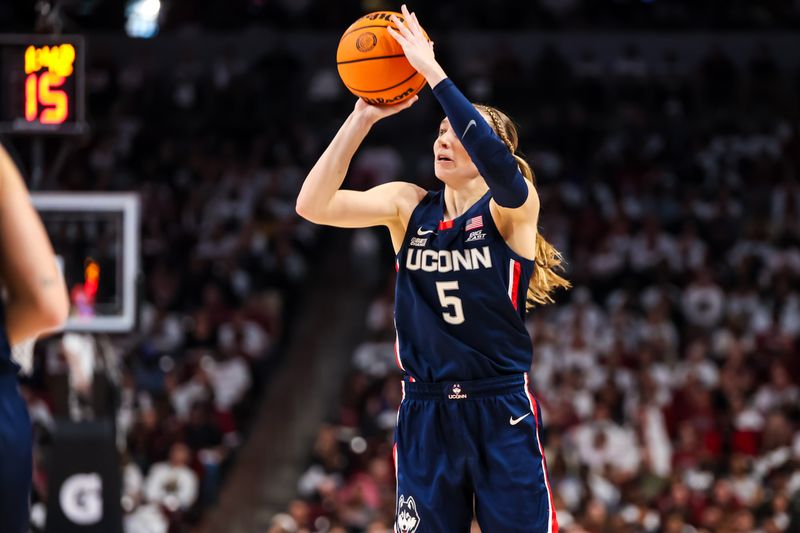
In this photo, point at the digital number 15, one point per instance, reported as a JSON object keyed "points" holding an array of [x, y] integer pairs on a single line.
{"points": [[43, 101]]}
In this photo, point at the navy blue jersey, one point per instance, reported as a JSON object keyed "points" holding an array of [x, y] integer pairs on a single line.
{"points": [[460, 297], [7, 365], [16, 440]]}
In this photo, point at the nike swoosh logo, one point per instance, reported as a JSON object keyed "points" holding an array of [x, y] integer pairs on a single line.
{"points": [[514, 421], [421, 232], [469, 125]]}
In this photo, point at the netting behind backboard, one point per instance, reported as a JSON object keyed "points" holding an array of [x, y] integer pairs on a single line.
{"points": [[96, 240]]}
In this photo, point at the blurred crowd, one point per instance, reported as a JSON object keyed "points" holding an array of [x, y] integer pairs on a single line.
{"points": [[498, 14], [669, 377], [176, 15], [223, 262]]}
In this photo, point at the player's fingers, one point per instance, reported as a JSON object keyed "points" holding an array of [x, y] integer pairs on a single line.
{"points": [[411, 101], [405, 105], [401, 27], [395, 34], [413, 24], [408, 103], [401, 40], [409, 19], [399, 24], [416, 25]]}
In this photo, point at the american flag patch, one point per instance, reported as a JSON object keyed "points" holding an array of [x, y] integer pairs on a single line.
{"points": [[474, 223]]}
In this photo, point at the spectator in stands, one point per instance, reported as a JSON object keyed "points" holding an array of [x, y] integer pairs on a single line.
{"points": [[173, 484]]}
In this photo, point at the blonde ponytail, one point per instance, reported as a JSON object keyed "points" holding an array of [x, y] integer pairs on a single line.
{"points": [[547, 259]]}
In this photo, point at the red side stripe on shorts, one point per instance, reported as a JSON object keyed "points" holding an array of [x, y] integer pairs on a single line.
{"points": [[396, 481], [552, 525], [394, 458]]}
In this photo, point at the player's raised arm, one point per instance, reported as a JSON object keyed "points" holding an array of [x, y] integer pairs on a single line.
{"points": [[490, 154], [321, 201], [37, 295]]}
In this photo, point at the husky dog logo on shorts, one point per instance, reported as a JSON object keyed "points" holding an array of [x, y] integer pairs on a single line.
{"points": [[457, 393], [407, 517]]}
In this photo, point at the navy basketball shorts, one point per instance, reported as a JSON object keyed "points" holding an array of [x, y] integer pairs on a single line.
{"points": [[471, 445], [16, 458]]}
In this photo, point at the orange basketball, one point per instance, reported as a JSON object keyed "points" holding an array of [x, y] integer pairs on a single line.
{"points": [[372, 64]]}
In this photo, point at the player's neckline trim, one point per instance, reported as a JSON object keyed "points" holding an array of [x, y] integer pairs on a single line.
{"points": [[449, 224]]}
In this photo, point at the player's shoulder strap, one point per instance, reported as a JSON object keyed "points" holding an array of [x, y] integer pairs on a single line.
{"points": [[427, 209], [423, 216]]}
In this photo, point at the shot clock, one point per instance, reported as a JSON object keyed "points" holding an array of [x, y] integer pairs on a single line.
{"points": [[42, 84]]}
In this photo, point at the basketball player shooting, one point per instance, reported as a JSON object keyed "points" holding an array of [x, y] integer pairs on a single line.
{"points": [[36, 303], [470, 263]]}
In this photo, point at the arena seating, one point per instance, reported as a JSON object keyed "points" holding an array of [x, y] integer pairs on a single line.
{"points": [[669, 376]]}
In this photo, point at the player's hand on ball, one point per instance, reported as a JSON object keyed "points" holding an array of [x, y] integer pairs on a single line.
{"points": [[373, 113], [416, 46]]}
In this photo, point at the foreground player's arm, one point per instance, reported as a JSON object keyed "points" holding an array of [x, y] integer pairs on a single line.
{"points": [[37, 295], [321, 201]]}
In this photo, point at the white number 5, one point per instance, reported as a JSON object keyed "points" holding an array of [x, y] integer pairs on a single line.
{"points": [[457, 315]]}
